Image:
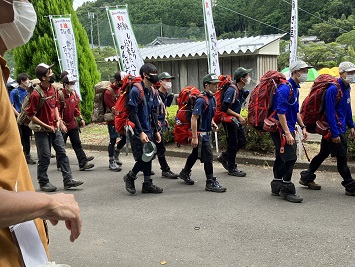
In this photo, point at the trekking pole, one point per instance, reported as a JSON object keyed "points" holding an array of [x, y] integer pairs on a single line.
{"points": [[216, 139], [305, 152]]}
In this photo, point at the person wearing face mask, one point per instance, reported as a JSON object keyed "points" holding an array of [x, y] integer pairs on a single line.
{"points": [[110, 98], [232, 102], [202, 125], [48, 119], [68, 108], [19, 203], [17, 96], [165, 100], [338, 114], [143, 113], [287, 109]]}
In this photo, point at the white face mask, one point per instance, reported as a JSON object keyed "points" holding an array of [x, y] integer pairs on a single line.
{"points": [[303, 77], [27, 84], [349, 78], [167, 86], [248, 80], [71, 88], [19, 31]]}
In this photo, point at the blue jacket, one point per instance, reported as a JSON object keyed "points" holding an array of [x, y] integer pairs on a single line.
{"points": [[338, 114], [205, 115], [17, 96], [229, 97], [287, 102]]}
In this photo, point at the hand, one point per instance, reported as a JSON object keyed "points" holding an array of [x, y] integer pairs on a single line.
{"points": [[242, 120], [158, 137], [63, 128], [82, 123], [336, 140], [214, 127], [289, 139], [352, 134], [305, 134], [51, 129], [144, 138], [63, 207], [194, 142]]}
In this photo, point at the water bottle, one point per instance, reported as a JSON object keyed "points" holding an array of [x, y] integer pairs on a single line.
{"points": [[177, 121]]}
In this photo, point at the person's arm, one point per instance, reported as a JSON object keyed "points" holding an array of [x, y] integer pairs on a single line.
{"points": [[12, 100], [303, 127], [194, 119], [17, 207], [330, 102]]}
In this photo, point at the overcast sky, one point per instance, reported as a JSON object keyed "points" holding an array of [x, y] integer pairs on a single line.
{"points": [[78, 3]]}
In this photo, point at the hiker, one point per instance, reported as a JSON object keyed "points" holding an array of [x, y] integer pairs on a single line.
{"points": [[165, 100], [110, 99], [287, 112], [338, 114], [231, 104], [68, 108], [18, 201], [143, 114], [17, 96], [43, 112], [202, 125]]}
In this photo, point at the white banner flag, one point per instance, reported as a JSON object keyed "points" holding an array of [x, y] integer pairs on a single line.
{"points": [[64, 39], [293, 31], [211, 38], [125, 41]]}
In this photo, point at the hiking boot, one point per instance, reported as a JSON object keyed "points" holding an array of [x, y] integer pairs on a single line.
{"points": [[113, 166], [222, 160], [186, 176], [87, 166], [348, 193], [69, 183], [48, 187], [349, 187], [90, 158], [236, 172], [59, 169], [311, 185], [52, 156], [149, 187], [129, 181], [117, 157], [288, 192], [30, 160], [275, 187], [169, 174], [214, 186]]}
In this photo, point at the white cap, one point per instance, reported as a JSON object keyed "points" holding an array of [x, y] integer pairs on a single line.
{"points": [[346, 66], [69, 78], [299, 64]]}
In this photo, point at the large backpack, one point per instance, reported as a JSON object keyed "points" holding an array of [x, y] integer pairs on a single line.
{"points": [[262, 98], [22, 118], [186, 101], [121, 111], [99, 103], [223, 85], [313, 106]]}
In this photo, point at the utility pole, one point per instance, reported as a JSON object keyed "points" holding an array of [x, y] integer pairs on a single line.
{"points": [[98, 31], [161, 28], [91, 17]]}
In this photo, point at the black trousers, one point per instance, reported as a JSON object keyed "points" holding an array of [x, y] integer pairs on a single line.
{"points": [[161, 155], [340, 151], [75, 141], [284, 162], [25, 134], [236, 139], [206, 158]]}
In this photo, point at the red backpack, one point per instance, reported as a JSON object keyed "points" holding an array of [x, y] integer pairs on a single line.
{"points": [[121, 111], [262, 98], [186, 101], [313, 106], [225, 82]]}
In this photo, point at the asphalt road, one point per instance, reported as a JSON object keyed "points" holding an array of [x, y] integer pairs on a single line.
{"points": [[187, 226]]}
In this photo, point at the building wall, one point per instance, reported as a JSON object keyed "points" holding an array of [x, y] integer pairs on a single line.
{"points": [[191, 71]]}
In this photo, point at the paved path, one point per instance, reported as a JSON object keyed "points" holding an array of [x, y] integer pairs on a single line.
{"points": [[187, 226]]}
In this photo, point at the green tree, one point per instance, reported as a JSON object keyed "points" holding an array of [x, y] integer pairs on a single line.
{"points": [[41, 49], [106, 69]]}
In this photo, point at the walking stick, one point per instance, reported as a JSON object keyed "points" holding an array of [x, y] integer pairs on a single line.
{"points": [[216, 139]]}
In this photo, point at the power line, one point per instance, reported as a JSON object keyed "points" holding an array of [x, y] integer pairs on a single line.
{"points": [[252, 18], [326, 22]]}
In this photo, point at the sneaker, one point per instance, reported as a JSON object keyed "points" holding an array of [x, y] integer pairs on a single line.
{"points": [[186, 176], [87, 166], [311, 185], [48, 187], [214, 186], [90, 158], [113, 166], [169, 174], [69, 183], [129, 181], [149, 187], [223, 162], [30, 160], [291, 197], [236, 172]]}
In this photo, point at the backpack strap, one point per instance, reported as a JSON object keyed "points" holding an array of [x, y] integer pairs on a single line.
{"points": [[42, 98]]}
